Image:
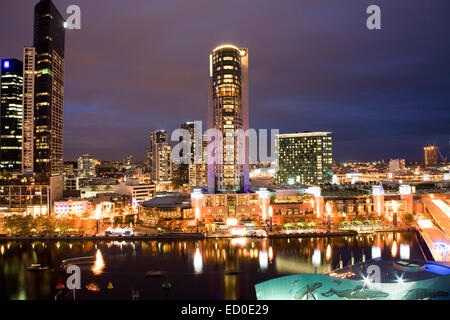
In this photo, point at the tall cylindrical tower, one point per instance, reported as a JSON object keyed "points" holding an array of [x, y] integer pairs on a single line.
{"points": [[228, 112]]}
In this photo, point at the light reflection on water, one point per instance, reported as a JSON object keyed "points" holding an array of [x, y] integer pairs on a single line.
{"points": [[99, 264], [196, 269]]}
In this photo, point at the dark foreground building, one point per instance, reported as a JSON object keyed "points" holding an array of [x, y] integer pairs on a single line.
{"points": [[11, 115], [49, 34]]}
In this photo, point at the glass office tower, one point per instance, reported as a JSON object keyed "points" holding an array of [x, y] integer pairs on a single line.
{"points": [[11, 115], [49, 39]]}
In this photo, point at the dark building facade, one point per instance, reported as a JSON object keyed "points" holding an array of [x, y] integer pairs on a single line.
{"points": [[49, 39], [184, 167], [11, 115]]}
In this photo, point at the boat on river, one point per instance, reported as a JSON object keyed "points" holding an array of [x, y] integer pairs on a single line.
{"points": [[36, 268], [155, 274]]}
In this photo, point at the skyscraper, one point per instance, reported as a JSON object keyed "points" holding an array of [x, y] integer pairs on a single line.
{"points": [[198, 173], [194, 173], [228, 110], [49, 41], [11, 115], [430, 156], [86, 167], [305, 158], [161, 157], [29, 67], [186, 171]]}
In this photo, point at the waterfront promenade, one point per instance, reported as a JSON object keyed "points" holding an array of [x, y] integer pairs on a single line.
{"points": [[180, 235]]}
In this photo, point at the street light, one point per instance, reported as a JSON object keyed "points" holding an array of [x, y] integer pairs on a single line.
{"points": [[197, 217], [395, 210]]}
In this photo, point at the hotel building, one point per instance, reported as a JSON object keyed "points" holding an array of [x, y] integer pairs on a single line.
{"points": [[305, 158], [282, 204], [228, 110], [86, 167]]}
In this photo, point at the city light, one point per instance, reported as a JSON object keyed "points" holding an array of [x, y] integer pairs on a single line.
{"points": [[376, 252], [394, 206], [441, 247], [98, 211], [443, 206], [197, 213], [328, 207], [425, 223], [399, 279], [232, 222]]}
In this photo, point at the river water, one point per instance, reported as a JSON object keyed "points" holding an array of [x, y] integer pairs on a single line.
{"points": [[204, 269]]}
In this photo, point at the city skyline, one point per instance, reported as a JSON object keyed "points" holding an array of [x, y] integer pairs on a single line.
{"points": [[321, 91], [280, 141]]}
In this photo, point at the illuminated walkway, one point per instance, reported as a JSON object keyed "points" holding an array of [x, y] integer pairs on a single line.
{"points": [[437, 237], [440, 212]]}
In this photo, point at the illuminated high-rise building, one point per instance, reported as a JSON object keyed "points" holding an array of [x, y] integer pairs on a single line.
{"points": [[185, 169], [194, 173], [305, 158], [161, 157], [86, 167], [49, 41], [430, 156], [198, 171], [29, 66], [228, 110], [11, 115]]}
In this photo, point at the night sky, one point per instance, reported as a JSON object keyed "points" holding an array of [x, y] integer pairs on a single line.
{"points": [[137, 65]]}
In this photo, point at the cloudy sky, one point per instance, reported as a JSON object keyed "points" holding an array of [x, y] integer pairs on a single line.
{"points": [[140, 65]]}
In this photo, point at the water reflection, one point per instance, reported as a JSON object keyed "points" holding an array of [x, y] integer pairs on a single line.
{"points": [[328, 254], [376, 252], [238, 242], [316, 258], [198, 261], [404, 251], [99, 264], [394, 249], [263, 261], [270, 254], [256, 259]]}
